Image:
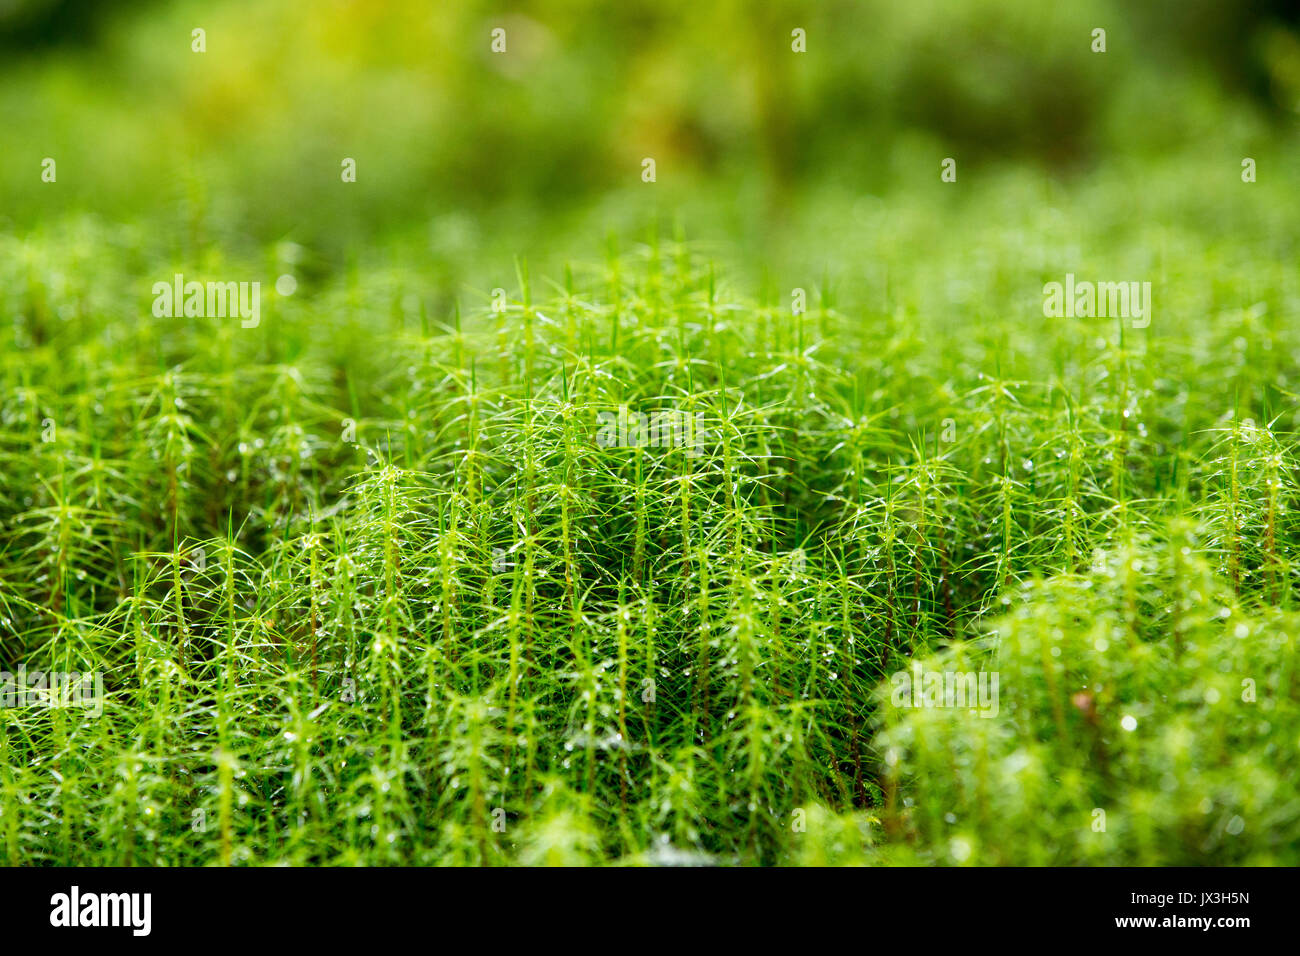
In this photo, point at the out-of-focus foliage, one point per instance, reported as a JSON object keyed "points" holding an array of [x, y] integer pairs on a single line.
{"points": [[1146, 718], [248, 137]]}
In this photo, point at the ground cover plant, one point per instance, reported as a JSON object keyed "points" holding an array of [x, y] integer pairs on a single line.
{"points": [[626, 527], [368, 585]]}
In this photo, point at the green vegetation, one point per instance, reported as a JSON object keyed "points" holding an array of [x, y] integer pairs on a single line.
{"points": [[366, 585], [361, 653]]}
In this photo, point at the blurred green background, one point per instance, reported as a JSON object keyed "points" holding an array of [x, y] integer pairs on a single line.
{"points": [[467, 158]]}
